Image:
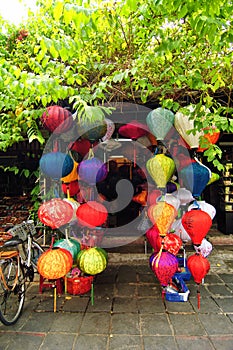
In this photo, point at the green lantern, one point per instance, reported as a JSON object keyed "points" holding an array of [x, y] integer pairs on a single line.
{"points": [[161, 169], [160, 121], [92, 260]]}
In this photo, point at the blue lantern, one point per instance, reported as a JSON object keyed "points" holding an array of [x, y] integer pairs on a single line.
{"points": [[56, 164], [195, 177]]}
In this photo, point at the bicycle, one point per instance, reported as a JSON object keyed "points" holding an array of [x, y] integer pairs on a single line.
{"points": [[17, 268]]}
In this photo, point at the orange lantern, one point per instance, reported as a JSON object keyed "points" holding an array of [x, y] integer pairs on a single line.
{"points": [[162, 214], [209, 138]]}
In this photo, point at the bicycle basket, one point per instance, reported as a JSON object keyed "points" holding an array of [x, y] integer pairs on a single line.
{"points": [[20, 230], [31, 226]]}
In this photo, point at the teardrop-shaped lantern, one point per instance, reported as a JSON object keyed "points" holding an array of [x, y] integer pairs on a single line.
{"points": [[203, 205], [204, 249], [164, 266], [92, 130], [170, 199], [184, 195], [152, 196], [179, 230], [160, 121], [162, 215], [161, 168], [195, 178], [197, 224], [152, 235]]}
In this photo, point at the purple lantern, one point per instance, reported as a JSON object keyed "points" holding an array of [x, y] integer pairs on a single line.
{"points": [[92, 170], [164, 266]]}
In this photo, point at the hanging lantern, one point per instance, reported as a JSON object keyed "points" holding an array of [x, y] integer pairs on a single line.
{"points": [[183, 125], [56, 164], [73, 175], [133, 130], [161, 169], [203, 205], [199, 267], [172, 186], [179, 230], [81, 146], [92, 170], [185, 196], [93, 130], [152, 196], [160, 121], [164, 266], [162, 215], [197, 224], [110, 130], [208, 138], [92, 260], [55, 213], [54, 263], [195, 178], [171, 243], [205, 248], [75, 205], [92, 214], [57, 119], [170, 199], [71, 245], [72, 188], [152, 235]]}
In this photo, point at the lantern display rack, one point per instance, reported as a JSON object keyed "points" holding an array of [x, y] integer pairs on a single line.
{"points": [[225, 213]]}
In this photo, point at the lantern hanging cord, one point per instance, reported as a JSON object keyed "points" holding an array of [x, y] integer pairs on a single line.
{"points": [[198, 297]]}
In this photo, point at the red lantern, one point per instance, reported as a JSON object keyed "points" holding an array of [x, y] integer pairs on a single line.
{"points": [[152, 236], [140, 198], [55, 213], [133, 130], [199, 267], [57, 119], [81, 146], [209, 138], [197, 224], [164, 266], [171, 242], [91, 214], [72, 188]]}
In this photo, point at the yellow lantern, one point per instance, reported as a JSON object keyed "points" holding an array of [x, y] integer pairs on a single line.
{"points": [[162, 215], [161, 169]]}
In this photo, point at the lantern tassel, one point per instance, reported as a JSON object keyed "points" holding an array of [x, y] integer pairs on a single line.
{"points": [[198, 297]]}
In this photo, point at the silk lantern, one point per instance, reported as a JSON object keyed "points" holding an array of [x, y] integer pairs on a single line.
{"points": [[92, 260], [81, 146], [91, 214], [75, 205], [161, 169], [71, 245], [203, 205], [54, 263], [56, 164], [183, 124], [55, 213], [205, 248], [152, 196], [162, 215], [197, 224], [199, 267], [92, 130], [152, 235], [164, 266], [170, 199], [160, 121], [179, 230], [92, 170], [171, 243], [184, 195], [73, 175], [209, 138], [195, 178], [72, 188], [57, 119]]}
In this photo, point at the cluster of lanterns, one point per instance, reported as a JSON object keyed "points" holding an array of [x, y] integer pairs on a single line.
{"points": [[167, 233]]}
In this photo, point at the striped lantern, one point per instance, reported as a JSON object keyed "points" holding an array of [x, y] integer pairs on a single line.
{"points": [[57, 119]]}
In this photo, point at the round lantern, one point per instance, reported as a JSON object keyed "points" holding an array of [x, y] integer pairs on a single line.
{"points": [[110, 130], [152, 235], [171, 242], [72, 188], [57, 119], [54, 263], [81, 146], [195, 178], [56, 164], [197, 224], [92, 130], [161, 169], [160, 121], [92, 170], [69, 244], [133, 130], [91, 214], [55, 213], [75, 205], [184, 124], [162, 215], [164, 266], [73, 175], [92, 260]]}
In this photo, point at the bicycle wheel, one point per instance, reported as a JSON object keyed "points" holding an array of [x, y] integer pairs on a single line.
{"points": [[12, 292]]}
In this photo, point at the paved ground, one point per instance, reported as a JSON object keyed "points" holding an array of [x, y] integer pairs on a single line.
{"points": [[129, 313]]}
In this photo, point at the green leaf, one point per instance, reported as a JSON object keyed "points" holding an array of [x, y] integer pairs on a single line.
{"points": [[58, 10]]}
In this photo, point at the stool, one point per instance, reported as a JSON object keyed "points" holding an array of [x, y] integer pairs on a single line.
{"points": [[45, 283]]}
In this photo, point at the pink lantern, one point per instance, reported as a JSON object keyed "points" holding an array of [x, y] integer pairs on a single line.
{"points": [[164, 266], [55, 213], [152, 235]]}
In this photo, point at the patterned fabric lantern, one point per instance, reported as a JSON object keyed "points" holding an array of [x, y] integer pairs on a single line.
{"points": [[171, 242], [197, 224], [199, 267], [75, 205], [152, 235], [162, 215], [161, 169], [91, 214], [92, 170], [72, 188], [56, 164], [160, 121], [92, 260], [183, 125], [110, 130], [195, 178], [57, 119], [55, 213], [164, 266], [69, 244], [54, 263], [92, 130]]}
